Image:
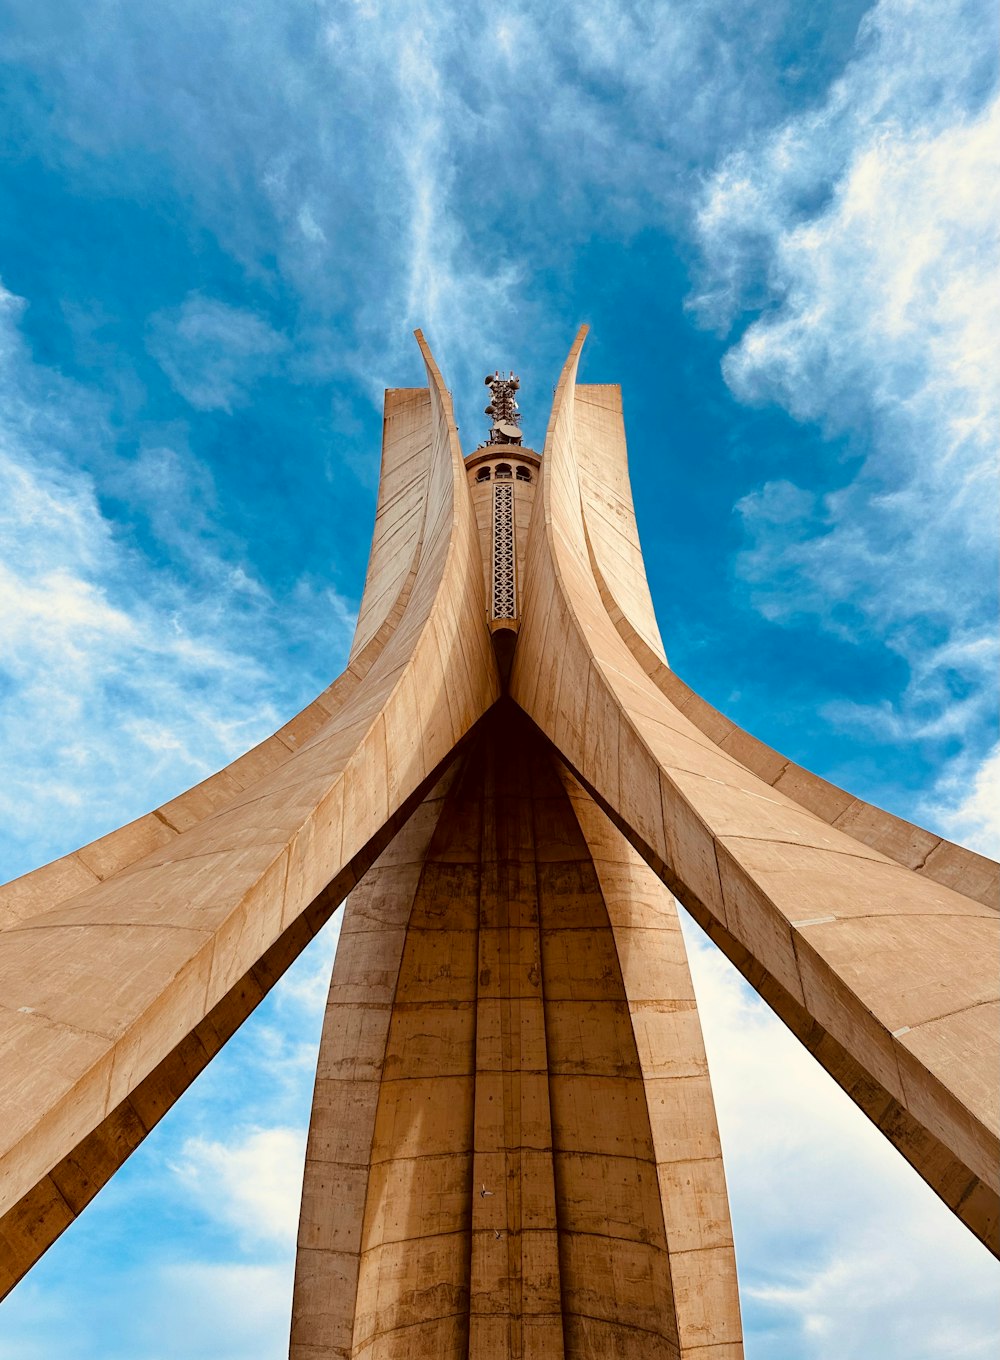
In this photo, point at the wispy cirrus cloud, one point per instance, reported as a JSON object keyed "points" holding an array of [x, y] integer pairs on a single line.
{"points": [[402, 164], [212, 352], [124, 681], [863, 235], [420, 138], [966, 803]]}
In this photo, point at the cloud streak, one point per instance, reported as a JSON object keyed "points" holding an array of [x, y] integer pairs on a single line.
{"points": [[253, 1185], [863, 234], [313, 180], [213, 353], [124, 682]]}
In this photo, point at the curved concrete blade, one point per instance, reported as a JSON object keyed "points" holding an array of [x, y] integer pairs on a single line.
{"points": [[888, 975], [124, 967]]}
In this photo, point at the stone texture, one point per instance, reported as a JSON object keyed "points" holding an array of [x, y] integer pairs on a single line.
{"points": [[513, 1147], [506, 1181], [128, 947], [852, 924]]}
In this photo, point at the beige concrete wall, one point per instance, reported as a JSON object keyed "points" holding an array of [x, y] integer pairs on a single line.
{"points": [[513, 1148], [616, 561], [399, 514], [392, 569], [336, 1235], [927, 854], [107, 984], [889, 977], [609, 513], [673, 1068]]}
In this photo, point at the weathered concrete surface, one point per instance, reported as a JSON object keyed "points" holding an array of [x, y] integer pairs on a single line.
{"points": [[889, 976], [125, 967], [513, 1148], [615, 559]]}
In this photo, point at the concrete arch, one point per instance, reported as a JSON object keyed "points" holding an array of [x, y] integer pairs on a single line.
{"points": [[125, 968], [887, 976]]}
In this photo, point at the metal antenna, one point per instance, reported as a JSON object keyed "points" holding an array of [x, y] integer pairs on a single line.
{"points": [[503, 408]]}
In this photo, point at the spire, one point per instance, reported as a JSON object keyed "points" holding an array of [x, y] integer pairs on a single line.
{"points": [[503, 408]]}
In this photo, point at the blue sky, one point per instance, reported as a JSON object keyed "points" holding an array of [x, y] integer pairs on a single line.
{"points": [[219, 223]]}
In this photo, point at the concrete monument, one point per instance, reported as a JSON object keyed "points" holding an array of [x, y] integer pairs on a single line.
{"points": [[513, 1148]]}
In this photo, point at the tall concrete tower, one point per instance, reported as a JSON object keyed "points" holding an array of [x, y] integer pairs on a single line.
{"points": [[513, 1148]]}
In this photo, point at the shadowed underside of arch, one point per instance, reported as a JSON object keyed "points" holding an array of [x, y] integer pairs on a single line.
{"points": [[513, 1147]]}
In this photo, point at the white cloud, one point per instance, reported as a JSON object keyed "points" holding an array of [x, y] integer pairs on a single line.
{"points": [[844, 1253], [868, 227], [76, 659], [446, 285], [253, 1184], [393, 142], [884, 296], [309, 227], [965, 804], [213, 353], [868, 1297], [123, 680], [366, 175], [594, 119]]}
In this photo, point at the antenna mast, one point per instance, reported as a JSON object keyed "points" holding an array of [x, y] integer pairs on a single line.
{"points": [[503, 408]]}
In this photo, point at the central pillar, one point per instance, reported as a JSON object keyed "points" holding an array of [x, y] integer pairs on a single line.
{"points": [[516, 1305], [487, 1174]]}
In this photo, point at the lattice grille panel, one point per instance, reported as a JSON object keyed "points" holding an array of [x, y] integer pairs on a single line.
{"points": [[504, 585]]}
